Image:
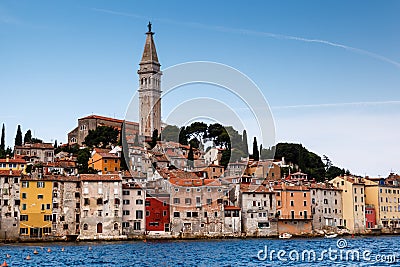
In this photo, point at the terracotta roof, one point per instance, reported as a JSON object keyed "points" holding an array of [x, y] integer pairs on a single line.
{"points": [[97, 117], [51, 178], [36, 146], [231, 208], [10, 173], [108, 155], [100, 177], [291, 187], [324, 186], [22, 161], [101, 150], [255, 188]]}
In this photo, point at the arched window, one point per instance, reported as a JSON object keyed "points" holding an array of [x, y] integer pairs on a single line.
{"points": [[115, 226], [85, 227]]}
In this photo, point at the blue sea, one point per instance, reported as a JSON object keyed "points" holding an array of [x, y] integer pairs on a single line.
{"points": [[371, 251]]}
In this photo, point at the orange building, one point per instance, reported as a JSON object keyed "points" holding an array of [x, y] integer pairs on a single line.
{"points": [[293, 205], [105, 162]]}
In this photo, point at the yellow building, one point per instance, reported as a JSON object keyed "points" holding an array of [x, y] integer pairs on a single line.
{"points": [[35, 207], [386, 200], [12, 164], [104, 162], [353, 199]]}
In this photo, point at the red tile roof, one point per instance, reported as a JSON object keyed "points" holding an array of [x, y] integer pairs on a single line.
{"points": [[100, 177], [108, 119], [10, 173], [22, 161], [231, 208]]}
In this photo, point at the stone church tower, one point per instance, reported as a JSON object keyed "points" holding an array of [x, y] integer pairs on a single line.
{"points": [[149, 88]]}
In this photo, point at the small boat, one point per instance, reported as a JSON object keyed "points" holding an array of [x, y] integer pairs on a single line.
{"points": [[8, 255], [48, 250], [285, 236], [89, 248], [62, 249], [35, 252], [330, 235], [28, 257]]}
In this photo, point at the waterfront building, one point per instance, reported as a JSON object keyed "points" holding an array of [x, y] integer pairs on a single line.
{"points": [[66, 206], [101, 207], [157, 208], [36, 195], [293, 208], [9, 204], [385, 198], [370, 217], [353, 198], [133, 209], [258, 203], [197, 206], [326, 206]]}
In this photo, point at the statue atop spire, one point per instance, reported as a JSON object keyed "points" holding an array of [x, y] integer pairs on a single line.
{"points": [[149, 26]]}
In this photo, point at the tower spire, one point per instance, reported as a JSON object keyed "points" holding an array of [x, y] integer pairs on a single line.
{"points": [[149, 88], [149, 52]]}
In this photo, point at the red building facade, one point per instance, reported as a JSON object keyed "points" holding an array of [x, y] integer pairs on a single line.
{"points": [[157, 212], [370, 216]]}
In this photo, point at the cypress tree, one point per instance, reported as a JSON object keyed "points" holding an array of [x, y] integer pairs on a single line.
{"points": [[18, 137], [28, 137], [245, 145], [3, 136], [256, 153]]}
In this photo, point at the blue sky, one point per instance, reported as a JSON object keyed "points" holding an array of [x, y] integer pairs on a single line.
{"points": [[330, 71]]}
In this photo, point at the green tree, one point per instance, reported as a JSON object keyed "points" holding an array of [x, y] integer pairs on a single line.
{"points": [[3, 137], [197, 130], [83, 157], [28, 137], [154, 138], [103, 137], [225, 157], [18, 137], [36, 140], [256, 153], [182, 136], [170, 133], [245, 144]]}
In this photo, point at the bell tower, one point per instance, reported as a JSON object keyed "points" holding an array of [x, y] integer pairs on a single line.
{"points": [[149, 88]]}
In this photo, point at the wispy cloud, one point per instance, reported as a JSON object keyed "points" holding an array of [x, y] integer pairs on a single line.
{"points": [[375, 103], [258, 33]]}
